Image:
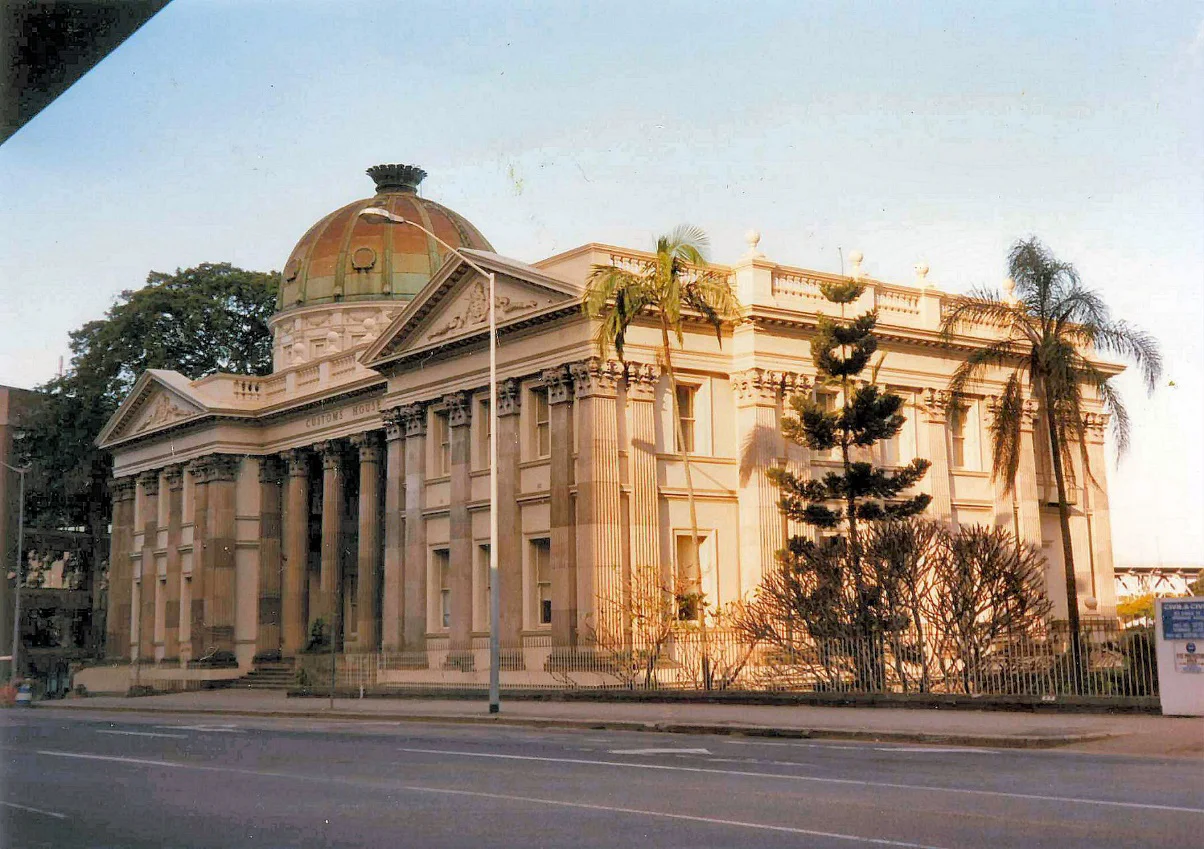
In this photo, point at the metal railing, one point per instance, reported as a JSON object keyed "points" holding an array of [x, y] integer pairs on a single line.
{"points": [[1117, 663]]}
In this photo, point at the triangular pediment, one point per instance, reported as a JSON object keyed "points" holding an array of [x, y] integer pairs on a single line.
{"points": [[159, 399], [454, 306]]}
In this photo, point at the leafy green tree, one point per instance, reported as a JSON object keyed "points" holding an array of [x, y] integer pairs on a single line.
{"points": [[1046, 332], [196, 321], [675, 283], [859, 492]]}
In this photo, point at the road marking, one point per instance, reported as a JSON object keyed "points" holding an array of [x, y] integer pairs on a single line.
{"points": [[142, 733], [659, 751], [54, 814], [223, 729], [664, 815], [935, 750], [860, 748], [111, 758], [845, 781]]}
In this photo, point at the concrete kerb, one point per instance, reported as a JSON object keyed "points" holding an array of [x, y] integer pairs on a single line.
{"points": [[1030, 741]]}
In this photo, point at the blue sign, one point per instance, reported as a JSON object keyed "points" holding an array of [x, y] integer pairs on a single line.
{"points": [[1183, 619]]}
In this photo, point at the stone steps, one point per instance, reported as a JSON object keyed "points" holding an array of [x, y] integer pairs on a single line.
{"points": [[269, 676]]}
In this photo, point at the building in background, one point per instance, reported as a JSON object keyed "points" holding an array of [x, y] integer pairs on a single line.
{"points": [[13, 406], [351, 484]]}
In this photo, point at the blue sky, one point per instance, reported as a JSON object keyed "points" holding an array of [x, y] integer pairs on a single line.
{"points": [[942, 132]]}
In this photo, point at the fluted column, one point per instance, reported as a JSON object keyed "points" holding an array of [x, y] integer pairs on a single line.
{"points": [[644, 505], [330, 602], [368, 555], [509, 516], [599, 495], [936, 410], [392, 584], [1028, 494], [296, 553], [220, 569], [762, 526], [148, 485], [200, 470], [175, 577], [1100, 515], [559, 385], [268, 634], [118, 615], [414, 594], [459, 415]]}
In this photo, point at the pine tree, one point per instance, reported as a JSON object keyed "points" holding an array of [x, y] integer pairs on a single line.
{"points": [[835, 593]]}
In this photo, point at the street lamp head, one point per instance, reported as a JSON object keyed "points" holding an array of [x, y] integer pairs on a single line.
{"points": [[376, 215]]}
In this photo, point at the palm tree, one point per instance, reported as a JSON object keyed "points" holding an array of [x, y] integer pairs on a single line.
{"points": [[675, 282], [1048, 327]]}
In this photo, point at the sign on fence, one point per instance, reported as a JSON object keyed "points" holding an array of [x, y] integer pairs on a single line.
{"points": [[1180, 661]]}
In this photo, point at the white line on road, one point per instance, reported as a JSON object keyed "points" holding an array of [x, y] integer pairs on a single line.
{"points": [[111, 758], [54, 814], [223, 729], [659, 751], [142, 733], [662, 814], [846, 781]]}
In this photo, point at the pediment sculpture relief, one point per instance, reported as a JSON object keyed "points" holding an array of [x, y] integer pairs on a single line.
{"points": [[163, 412], [476, 310]]}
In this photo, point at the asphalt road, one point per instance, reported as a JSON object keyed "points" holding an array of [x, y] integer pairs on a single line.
{"points": [[157, 781]]}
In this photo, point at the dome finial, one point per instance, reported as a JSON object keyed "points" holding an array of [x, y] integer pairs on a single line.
{"points": [[396, 178]]}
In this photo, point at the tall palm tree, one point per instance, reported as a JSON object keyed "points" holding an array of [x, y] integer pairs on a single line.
{"points": [[1048, 328], [675, 282]]}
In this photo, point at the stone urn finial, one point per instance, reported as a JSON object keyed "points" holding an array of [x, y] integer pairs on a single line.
{"points": [[855, 257], [922, 275], [753, 238], [1009, 292]]}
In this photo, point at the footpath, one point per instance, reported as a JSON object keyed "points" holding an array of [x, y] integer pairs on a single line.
{"points": [[1121, 734]]}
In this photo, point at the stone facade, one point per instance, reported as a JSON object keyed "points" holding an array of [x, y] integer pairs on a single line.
{"points": [[352, 487]]}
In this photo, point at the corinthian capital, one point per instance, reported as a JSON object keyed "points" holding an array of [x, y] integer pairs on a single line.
{"points": [[559, 384], [642, 379], [595, 376], [509, 397], [459, 408], [936, 404], [758, 386]]}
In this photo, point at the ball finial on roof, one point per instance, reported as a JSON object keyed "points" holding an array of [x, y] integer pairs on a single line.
{"points": [[922, 275], [753, 238], [1009, 292], [855, 257]]}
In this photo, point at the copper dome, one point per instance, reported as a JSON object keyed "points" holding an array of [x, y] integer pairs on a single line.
{"points": [[344, 258]]}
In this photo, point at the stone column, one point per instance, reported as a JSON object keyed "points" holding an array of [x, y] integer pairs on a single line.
{"points": [[148, 484], [296, 553], [1028, 493], [200, 470], [599, 497], [413, 624], [220, 566], [1100, 517], [936, 409], [368, 555], [120, 600], [762, 529], [644, 506], [268, 634], [330, 602], [509, 519], [459, 416], [392, 597], [559, 386], [175, 575]]}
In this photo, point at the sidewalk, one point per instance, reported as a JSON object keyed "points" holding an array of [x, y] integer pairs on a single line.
{"points": [[1151, 736]]}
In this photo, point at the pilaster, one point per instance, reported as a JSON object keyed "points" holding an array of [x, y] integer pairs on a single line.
{"points": [[599, 492], [936, 411], [509, 516], [392, 583], [220, 569], [1099, 515], [414, 594], [148, 486], [194, 648], [644, 505], [762, 526], [120, 600], [460, 545], [174, 475], [559, 385], [330, 602]]}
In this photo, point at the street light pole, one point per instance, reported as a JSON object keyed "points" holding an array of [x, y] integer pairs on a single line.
{"points": [[383, 216], [16, 648]]}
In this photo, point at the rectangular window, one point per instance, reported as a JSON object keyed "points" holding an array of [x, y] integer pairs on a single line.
{"points": [[442, 444], [684, 439], [484, 428], [688, 586], [957, 433], [541, 576], [442, 569], [481, 585], [543, 424]]}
